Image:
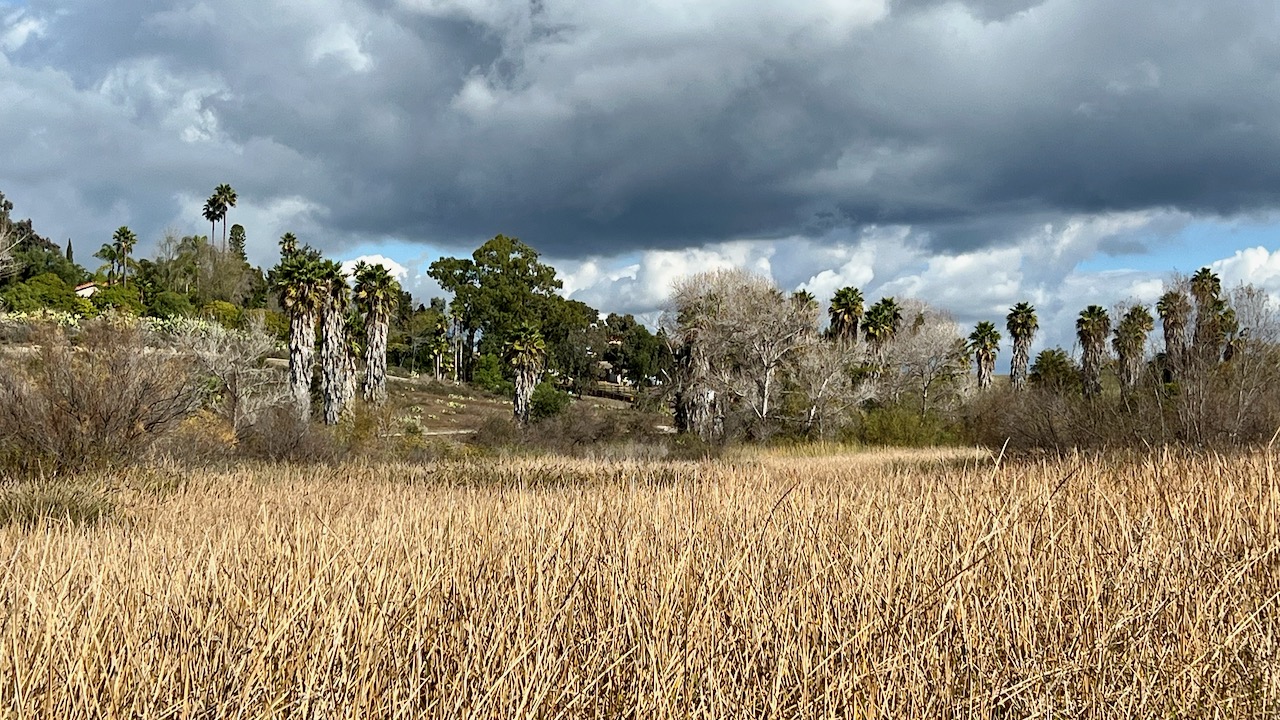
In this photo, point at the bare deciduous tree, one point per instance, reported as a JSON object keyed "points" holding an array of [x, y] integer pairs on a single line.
{"points": [[736, 331], [235, 360], [927, 360]]}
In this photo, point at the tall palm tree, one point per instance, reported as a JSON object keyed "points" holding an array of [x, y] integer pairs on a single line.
{"points": [[333, 339], [1174, 309], [377, 293], [1206, 288], [302, 291], [1092, 328], [213, 212], [226, 200], [354, 328], [846, 314], [1022, 324], [123, 240], [1129, 342], [525, 352], [984, 341]]}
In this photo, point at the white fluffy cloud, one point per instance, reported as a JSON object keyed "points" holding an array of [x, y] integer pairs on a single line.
{"points": [[1043, 268], [398, 271]]}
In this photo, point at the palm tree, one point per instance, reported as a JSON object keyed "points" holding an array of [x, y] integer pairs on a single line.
{"points": [[1175, 312], [1129, 341], [1206, 288], [525, 352], [288, 244], [213, 212], [376, 295], [1054, 370], [123, 240], [1022, 325], [1092, 328], [333, 339], [804, 299], [226, 196], [984, 341], [846, 313], [354, 328], [882, 322], [110, 255], [302, 291]]}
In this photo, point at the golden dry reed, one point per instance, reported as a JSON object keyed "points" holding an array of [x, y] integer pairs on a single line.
{"points": [[884, 585]]}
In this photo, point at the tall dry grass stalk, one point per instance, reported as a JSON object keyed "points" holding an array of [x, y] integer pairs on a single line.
{"points": [[770, 587]]}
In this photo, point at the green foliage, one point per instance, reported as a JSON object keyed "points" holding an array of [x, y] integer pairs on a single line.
{"points": [[488, 376], [223, 313], [119, 298], [846, 313], [548, 401], [638, 354], [47, 291], [1055, 370], [377, 294], [500, 287], [35, 258], [903, 426], [169, 304], [237, 242]]}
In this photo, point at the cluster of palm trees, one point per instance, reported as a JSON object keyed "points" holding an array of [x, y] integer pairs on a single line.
{"points": [[1215, 326], [879, 323], [215, 210], [116, 254], [312, 288]]}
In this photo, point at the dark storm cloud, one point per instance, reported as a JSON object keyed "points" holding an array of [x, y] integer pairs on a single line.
{"points": [[591, 128]]}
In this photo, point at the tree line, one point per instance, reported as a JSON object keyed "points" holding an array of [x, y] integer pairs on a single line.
{"points": [[733, 357]]}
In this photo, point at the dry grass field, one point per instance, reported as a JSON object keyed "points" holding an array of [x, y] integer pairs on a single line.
{"points": [[882, 584]]}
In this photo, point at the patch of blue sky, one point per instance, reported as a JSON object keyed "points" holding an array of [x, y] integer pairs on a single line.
{"points": [[1196, 245]]}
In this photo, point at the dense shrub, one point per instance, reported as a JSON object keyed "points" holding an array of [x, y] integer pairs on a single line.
{"points": [[223, 313], [1230, 405], [902, 426], [170, 305], [119, 298], [100, 403], [488, 376], [45, 292], [548, 401]]}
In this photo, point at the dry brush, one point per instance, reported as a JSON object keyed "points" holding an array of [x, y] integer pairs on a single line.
{"points": [[880, 585]]}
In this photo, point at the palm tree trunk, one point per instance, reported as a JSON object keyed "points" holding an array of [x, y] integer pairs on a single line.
{"points": [[349, 375], [333, 366], [1091, 371], [1021, 359], [302, 329], [524, 393], [986, 370], [375, 361]]}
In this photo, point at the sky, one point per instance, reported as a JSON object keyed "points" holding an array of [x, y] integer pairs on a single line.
{"points": [[971, 153]]}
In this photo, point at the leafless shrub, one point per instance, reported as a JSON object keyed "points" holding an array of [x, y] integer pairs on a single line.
{"points": [[278, 433], [102, 402], [236, 361]]}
